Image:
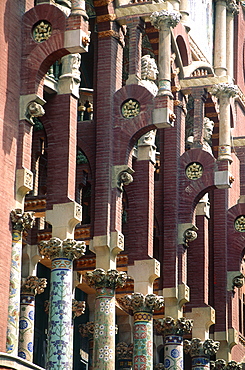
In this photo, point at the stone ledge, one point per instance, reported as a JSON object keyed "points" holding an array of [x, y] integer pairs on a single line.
{"points": [[16, 363]]}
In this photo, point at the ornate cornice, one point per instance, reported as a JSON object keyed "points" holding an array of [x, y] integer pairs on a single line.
{"points": [[33, 285], [169, 326], [196, 347], [21, 220], [165, 17], [56, 248], [138, 302], [100, 278]]}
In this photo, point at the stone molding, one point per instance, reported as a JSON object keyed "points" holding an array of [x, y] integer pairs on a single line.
{"points": [[33, 285], [196, 347], [165, 17], [169, 326], [138, 302], [56, 248], [99, 278], [21, 220]]}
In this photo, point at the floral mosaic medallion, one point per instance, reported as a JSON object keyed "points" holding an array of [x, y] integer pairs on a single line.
{"points": [[173, 358], [143, 345], [104, 330], [60, 315]]}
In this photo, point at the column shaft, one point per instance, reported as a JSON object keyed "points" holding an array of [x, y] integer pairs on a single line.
{"points": [[26, 329], [60, 314], [230, 44], [173, 352], [143, 341], [220, 39]]}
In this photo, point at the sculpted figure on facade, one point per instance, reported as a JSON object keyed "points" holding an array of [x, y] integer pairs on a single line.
{"points": [[149, 72], [208, 127]]}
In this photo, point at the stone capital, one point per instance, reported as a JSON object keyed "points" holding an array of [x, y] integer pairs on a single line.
{"points": [[78, 308], [87, 330], [99, 278], [138, 302], [224, 90], [220, 364], [169, 326], [33, 285], [232, 7], [165, 18], [21, 220], [124, 351], [56, 248], [196, 347]]}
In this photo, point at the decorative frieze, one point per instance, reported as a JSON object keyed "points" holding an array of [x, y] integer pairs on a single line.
{"points": [[166, 18], [57, 248]]}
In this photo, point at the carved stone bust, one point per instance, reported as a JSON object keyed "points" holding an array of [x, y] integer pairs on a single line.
{"points": [[208, 127], [149, 74]]}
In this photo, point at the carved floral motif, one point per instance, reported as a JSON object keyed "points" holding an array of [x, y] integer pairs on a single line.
{"points": [[169, 326], [124, 351], [196, 347], [140, 302], [221, 365], [100, 278], [21, 220], [232, 6], [224, 89], [33, 285], [68, 248], [165, 17], [87, 329], [42, 31]]}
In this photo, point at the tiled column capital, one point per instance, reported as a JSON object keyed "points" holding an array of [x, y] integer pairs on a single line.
{"points": [[57, 248], [165, 18]]}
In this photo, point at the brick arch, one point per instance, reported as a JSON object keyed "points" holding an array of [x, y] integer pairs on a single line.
{"points": [[128, 131], [191, 191], [38, 57], [183, 50], [236, 239]]}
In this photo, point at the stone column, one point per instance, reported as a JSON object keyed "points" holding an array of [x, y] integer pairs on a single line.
{"points": [[20, 222], [184, 11], [232, 10], [31, 286], [200, 352], [105, 283], [143, 307], [220, 39], [163, 21], [173, 332], [124, 354], [62, 254], [224, 92]]}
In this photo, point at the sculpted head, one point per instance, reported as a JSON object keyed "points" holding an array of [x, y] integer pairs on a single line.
{"points": [[208, 129], [149, 69]]}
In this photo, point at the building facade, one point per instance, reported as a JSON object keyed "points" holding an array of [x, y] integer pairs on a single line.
{"points": [[122, 178]]}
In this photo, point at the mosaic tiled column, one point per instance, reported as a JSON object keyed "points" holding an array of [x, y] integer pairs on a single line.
{"points": [[20, 222], [62, 254], [143, 307], [173, 331], [124, 354], [163, 20], [224, 92], [32, 286], [105, 283], [200, 352]]}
